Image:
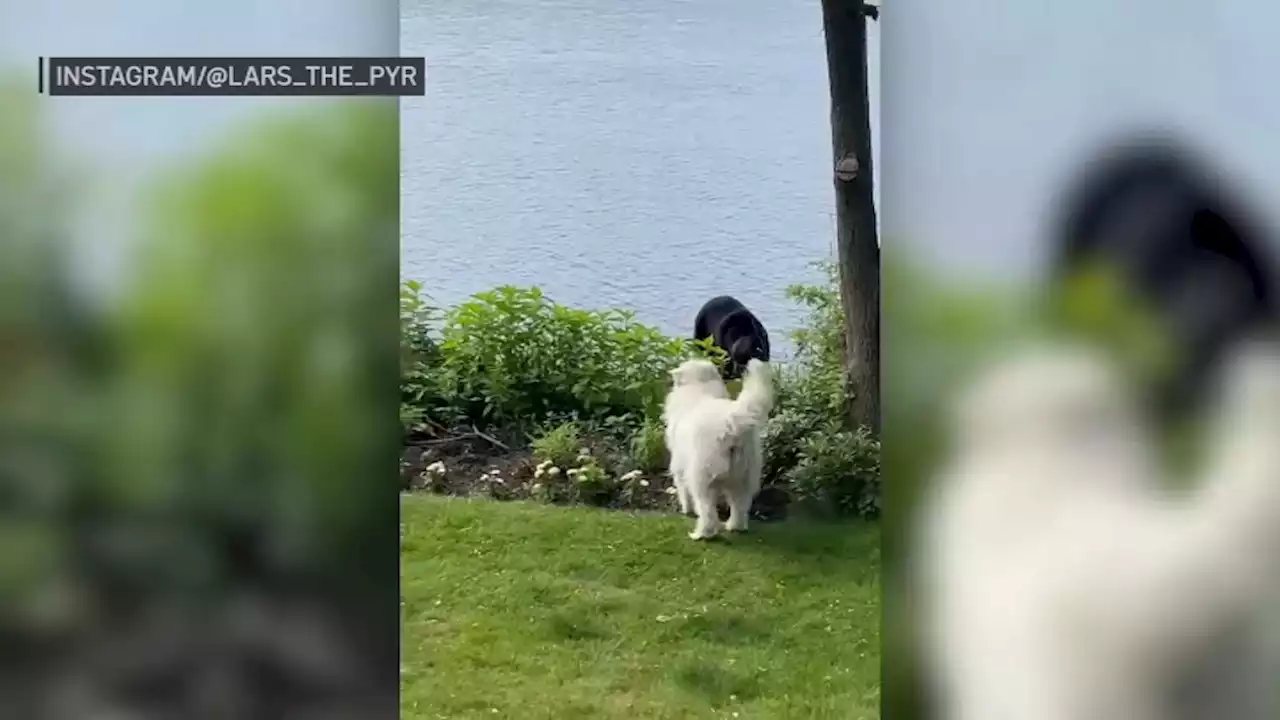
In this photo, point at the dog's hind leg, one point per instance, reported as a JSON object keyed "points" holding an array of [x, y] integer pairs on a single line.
{"points": [[682, 489], [743, 492], [685, 498], [704, 504], [739, 507]]}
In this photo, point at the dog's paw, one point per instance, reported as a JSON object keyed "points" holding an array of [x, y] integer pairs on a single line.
{"points": [[703, 533]]}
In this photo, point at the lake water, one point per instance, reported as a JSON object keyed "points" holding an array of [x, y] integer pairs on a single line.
{"points": [[646, 154]]}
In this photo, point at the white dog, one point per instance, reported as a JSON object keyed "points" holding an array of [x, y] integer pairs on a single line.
{"points": [[1063, 581], [715, 441]]}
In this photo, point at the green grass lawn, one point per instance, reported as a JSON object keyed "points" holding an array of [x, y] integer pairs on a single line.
{"points": [[516, 610]]}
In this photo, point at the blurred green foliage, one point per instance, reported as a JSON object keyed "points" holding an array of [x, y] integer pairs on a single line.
{"points": [[1094, 303], [40, 376], [255, 348], [212, 430]]}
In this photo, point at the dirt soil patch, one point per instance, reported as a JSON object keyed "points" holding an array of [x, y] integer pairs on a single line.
{"points": [[478, 465]]}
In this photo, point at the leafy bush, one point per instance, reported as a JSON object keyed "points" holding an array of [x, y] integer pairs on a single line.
{"points": [[560, 445], [810, 444], [649, 446], [839, 469], [580, 479], [418, 352], [591, 479], [510, 355]]}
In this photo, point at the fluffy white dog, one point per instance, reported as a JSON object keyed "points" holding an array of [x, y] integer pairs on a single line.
{"points": [[1063, 581], [715, 441]]}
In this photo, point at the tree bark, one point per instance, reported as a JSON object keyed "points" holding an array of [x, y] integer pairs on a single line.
{"points": [[844, 24]]}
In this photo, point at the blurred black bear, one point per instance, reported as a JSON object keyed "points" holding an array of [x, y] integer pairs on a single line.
{"points": [[1154, 211], [734, 329]]}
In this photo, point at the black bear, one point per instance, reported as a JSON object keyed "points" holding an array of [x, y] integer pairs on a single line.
{"points": [[734, 329]]}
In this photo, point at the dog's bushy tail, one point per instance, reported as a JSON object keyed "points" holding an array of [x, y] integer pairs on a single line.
{"points": [[753, 404]]}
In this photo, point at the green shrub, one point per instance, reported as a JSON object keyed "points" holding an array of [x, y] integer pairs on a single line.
{"points": [[649, 446], [580, 479], [839, 470], [511, 355], [810, 444], [418, 352], [591, 480], [559, 445], [784, 442]]}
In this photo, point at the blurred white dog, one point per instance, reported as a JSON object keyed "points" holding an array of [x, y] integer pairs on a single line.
{"points": [[1063, 580], [715, 441]]}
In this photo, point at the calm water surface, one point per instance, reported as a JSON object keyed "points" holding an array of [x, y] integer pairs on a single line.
{"points": [[646, 154]]}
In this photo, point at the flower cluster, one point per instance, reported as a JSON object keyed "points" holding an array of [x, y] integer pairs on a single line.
{"points": [[493, 484], [433, 475], [546, 469], [635, 476], [588, 474]]}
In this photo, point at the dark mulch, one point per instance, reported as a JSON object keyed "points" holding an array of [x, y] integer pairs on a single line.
{"points": [[471, 459]]}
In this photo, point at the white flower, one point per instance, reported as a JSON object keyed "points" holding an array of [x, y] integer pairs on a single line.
{"points": [[553, 471], [539, 472], [536, 487], [574, 472], [584, 451], [670, 491], [435, 468], [544, 464], [644, 483]]}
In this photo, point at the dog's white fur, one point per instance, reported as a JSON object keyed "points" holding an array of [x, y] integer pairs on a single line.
{"points": [[715, 441], [1063, 581]]}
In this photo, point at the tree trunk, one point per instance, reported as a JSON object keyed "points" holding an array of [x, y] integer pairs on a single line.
{"points": [[844, 23]]}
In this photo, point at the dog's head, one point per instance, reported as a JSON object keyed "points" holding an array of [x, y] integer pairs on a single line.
{"points": [[695, 372]]}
